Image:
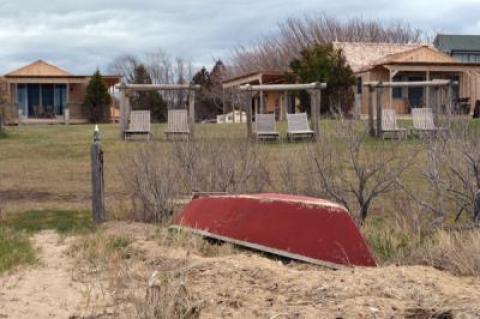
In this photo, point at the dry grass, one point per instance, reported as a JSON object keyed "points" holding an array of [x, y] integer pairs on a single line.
{"points": [[47, 167], [455, 251]]}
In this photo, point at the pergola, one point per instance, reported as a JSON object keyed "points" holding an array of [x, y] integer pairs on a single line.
{"points": [[125, 107], [313, 89], [376, 88]]}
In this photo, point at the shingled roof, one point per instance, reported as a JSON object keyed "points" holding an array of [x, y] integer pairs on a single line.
{"points": [[362, 56], [457, 42], [39, 68]]}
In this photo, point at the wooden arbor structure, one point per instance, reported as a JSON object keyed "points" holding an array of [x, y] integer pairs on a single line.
{"points": [[376, 89], [125, 107], [313, 89]]}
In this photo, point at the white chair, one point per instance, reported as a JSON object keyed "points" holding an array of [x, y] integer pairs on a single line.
{"points": [[139, 124], [177, 123], [423, 121], [265, 127], [390, 124], [298, 126]]}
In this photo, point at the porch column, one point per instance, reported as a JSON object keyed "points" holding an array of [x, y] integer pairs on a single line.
{"points": [[66, 112], [262, 104], [427, 90]]}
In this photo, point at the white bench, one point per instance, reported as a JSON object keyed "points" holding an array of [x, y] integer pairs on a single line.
{"points": [[139, 124], [423, 121], [298, 126], [390, 124], [265, 127], [177, 124]]}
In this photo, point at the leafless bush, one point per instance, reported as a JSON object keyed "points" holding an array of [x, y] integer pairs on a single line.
{"points": [[452, 173], [151, 182], [168, 297], [155, 176], [353, 172], [221, 166]]}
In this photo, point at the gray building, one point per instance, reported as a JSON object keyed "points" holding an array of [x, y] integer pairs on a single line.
{"points": [[465, 48]]}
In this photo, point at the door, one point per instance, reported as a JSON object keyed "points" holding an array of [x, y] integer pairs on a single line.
{"points": [[33, 98], [415, 94]]}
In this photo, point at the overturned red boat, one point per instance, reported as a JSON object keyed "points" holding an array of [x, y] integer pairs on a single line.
{"points": [[297, 227]]}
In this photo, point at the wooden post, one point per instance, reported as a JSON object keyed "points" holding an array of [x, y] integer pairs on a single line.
{"points": [[370, 111], [426, 90], [435, 105], [123, 109], [249, 116], [66, 114], [98, 203], [262, 103], [315, 110], [191, 110], [450, 99], [317, 118], [357, 104], [379, 132]]}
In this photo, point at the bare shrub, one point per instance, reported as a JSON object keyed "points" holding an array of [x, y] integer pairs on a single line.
{"points": [[167, 296], [354, 172], [157, 176], [151, 182], [221, 166], [452, 173], [455, 251]]}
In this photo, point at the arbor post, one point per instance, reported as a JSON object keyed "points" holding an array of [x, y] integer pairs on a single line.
{"points": [[98, 202], [191, 110], [371, 128], [379, 132]]}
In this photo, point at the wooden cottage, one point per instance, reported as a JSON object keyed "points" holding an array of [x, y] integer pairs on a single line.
{"points": [[44, 93], [409, 62]]}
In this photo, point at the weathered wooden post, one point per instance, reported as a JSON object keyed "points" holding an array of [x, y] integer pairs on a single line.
{"points": [[371, 128], [249, 114], [379, 132], [98, 203], [191, 110], [66, 114]]}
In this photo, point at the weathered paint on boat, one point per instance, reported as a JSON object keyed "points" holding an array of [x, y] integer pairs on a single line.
{"points": [[298, 227]]}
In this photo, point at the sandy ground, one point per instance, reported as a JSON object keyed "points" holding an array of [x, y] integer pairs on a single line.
{"points": [[241, 285]]}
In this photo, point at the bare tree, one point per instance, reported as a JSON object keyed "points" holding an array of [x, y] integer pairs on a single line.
{"points": [[356, 173], [274, 52]]}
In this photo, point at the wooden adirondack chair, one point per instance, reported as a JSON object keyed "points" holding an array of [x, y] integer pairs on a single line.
{"points": [[265, 127], [423, 121], [177, 124], [390, 125], [298, 126], [139, 124]]}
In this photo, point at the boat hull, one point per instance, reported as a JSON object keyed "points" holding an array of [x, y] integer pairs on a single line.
{"points": [[297, 227]]}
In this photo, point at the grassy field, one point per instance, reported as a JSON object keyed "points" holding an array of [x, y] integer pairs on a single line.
{"points": [[45, 176]]}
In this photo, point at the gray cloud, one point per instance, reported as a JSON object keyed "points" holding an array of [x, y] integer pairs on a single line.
{"points": [[81, 35]]}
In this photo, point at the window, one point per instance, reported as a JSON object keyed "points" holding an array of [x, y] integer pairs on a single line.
{"points": [[397, 93]]}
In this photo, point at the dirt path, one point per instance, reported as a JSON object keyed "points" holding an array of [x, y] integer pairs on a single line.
{"points": [[45, 290]]}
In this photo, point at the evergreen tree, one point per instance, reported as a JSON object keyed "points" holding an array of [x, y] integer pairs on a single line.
{"points": [[208, 102], [322, 63], [148, 100], [97, 98]]}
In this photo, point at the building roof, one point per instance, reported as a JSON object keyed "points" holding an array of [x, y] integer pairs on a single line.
{"points": [[39, 68], [365, 56], [259, 77], [457, 42]]}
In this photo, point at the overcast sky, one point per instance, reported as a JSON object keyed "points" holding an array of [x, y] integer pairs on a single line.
{"points": [[80, 35]]}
